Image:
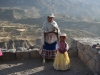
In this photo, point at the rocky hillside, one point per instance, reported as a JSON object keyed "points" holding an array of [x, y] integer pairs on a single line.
{"points": [[78, 18], [65, 23], [78, 8], [13, 14]]}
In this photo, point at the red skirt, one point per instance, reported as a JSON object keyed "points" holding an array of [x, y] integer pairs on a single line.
{"points": [[48, 54]]}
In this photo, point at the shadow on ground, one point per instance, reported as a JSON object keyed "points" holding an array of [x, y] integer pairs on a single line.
{"points": [[35, 67]]}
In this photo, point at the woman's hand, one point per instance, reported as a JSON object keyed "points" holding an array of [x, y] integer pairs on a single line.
{"points": [[45, 32], [55, 31], [50, 31]]}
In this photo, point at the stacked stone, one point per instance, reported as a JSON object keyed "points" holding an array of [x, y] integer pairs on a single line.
{"points": [[19, 53], [73, 52], [13, 44], [89, 56]]}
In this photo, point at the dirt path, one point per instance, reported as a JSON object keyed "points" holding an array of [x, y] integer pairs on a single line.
{"points": [[35, 67]]}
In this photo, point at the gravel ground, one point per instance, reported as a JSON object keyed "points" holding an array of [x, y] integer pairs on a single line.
{"points": [[36, 67]]}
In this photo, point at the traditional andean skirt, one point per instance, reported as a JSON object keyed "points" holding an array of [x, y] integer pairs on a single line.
{"points": [[49, 48]]}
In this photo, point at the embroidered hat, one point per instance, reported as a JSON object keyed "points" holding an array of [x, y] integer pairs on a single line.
{"points": [[51, 15], [62, 34]]}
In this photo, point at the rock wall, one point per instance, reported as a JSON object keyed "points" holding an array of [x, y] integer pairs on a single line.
{"points": [[19, 49], [19, 54], [90, 56], [10, 44]]}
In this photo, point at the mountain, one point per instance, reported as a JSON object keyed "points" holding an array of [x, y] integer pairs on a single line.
{"points": [[76, 8], [91, 1], [77, 18], [12, 14]]}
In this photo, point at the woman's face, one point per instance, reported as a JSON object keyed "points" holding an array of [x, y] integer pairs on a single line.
{"points": [[62, 38], [50, 19]]}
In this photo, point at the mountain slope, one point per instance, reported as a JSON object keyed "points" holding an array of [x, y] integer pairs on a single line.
{"points": [[70, 7]]}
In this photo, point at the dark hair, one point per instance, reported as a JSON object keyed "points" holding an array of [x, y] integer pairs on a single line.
{"points": [[49, 17]]}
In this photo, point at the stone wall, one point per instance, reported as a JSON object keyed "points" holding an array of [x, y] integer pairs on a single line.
{"points": [[79, 47], [90, 56], [19, 54]]}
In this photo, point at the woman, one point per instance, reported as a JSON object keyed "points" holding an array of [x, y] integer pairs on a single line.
{"points": [[49, 38]]}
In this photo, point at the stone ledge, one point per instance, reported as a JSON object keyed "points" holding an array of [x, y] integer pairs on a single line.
{"points": [[73, 53], [12, 54], [34, 54], [90, 56], [8, 55], [22, 55]]}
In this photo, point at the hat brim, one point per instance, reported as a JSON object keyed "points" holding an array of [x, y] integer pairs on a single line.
{"points": [[63, 35], [51, 16]]}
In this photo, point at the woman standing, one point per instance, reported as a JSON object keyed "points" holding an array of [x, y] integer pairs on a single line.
{"points": [[49, 38]]}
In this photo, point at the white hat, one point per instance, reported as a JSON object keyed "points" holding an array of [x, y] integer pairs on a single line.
{"points": [[51, 15], [62, 34]]}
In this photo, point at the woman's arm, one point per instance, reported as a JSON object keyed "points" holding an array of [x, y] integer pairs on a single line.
{"points": [[56, 26], [44, 27]]}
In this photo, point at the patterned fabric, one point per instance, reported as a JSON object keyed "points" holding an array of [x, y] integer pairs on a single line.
{"points": [[48, 54], [49, 47], [50, 38], [62, 47], [49, 50]]}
